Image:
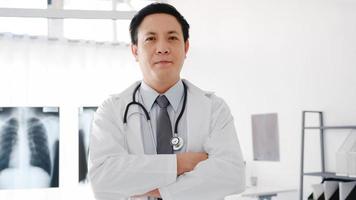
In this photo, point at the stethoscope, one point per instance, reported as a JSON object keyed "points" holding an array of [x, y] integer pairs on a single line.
{"points": [[176, 141]]}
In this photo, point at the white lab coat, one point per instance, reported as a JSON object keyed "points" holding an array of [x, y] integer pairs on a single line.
{"points": [[119, 169]]}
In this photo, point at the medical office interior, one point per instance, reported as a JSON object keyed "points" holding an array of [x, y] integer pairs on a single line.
{"points": [[271, 60]]}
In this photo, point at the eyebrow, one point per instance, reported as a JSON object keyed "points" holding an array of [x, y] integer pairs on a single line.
{"points": [[153, 33], [173, 32], [150, 33]]}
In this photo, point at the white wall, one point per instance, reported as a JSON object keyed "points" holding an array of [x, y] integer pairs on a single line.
{"points": [[277, 56], [260, 55]]}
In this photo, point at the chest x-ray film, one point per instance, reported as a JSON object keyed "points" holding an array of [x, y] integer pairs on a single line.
{"points": [[86, 115], [265, 137], [29, 147]]}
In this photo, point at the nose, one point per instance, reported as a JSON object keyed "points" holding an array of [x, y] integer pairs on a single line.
{"points": [[163, 51], [162, 48]]}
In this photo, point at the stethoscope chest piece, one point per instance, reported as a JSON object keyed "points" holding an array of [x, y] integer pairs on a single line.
{"points": [[177, 143]]}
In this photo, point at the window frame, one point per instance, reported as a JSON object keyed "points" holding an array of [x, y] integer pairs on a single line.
{"points": [[55, 13]]}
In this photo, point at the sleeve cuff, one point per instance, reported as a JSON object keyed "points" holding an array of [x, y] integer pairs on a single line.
{"points": [[172, 166], [165, 194]]}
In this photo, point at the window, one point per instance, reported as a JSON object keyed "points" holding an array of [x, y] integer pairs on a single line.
{"points": [[121, 5], [88, 4], [100, 28], [132, 4], [122, 31], [30, 26], [88, 29], [23, 4]]}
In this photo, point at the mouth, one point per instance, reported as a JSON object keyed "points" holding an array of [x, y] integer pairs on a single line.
{"points": [[163, 62]]}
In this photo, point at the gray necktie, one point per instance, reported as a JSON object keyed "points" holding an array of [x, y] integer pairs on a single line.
{"points": [[164, 127]]}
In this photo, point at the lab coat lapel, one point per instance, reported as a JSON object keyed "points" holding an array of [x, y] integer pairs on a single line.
{"points": [[133, 127], [198, 118]]}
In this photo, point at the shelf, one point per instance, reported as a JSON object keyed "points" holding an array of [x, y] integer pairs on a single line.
{"points": [[322, 129], [330, 127], [312, 111], [329, 175]]}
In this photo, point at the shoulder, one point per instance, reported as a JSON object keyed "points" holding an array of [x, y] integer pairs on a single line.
{"points": [[220, 111], [194, 90], [115, 103], [125, 95], [215, 100], [220, 114]]}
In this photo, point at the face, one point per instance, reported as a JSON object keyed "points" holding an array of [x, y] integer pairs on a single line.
{"points": [[160, 48]]}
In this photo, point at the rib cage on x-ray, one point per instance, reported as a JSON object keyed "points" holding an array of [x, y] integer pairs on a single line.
{"points": [[27, 158], [8, 140], [38, 144], [83, 166], [85, 119]]}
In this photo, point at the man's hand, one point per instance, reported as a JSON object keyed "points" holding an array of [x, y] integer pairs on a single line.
{"points": [[153, 193], [186, 162]]}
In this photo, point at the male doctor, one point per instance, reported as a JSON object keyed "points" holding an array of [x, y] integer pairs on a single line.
{"points": [[163, 137]]}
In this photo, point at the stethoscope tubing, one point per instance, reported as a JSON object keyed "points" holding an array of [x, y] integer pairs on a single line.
{"points": [[134, 102]]}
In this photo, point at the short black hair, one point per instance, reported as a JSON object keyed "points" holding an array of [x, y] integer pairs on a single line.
{"points": [[153, 9]]}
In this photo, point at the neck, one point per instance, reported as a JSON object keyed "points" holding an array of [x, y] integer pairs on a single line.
{"points": [[161, 86]]}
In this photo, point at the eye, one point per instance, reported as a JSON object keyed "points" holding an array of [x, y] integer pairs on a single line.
{"points": [[150, 39], [173, 38]]}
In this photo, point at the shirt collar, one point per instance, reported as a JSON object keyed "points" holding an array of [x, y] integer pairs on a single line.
{"points": [[173, 94]]}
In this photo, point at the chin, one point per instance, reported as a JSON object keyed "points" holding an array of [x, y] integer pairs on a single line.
{"points": [[166, 77]]}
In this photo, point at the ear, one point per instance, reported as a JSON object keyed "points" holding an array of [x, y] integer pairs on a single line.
{"points": [[186, 47], [134, 51]]}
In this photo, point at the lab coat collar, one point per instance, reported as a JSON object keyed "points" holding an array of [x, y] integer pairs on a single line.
{"points": [[173, 94], [149, 95], [192, 89]]}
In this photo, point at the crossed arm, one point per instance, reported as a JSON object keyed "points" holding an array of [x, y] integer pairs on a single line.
{"points": [[186, 162], [114, 172]]}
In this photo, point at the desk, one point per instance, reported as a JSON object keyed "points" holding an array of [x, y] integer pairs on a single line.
{"points": [[260, 192]]}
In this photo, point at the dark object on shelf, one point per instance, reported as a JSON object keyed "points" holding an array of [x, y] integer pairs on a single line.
{"points": [[352, 195]]}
